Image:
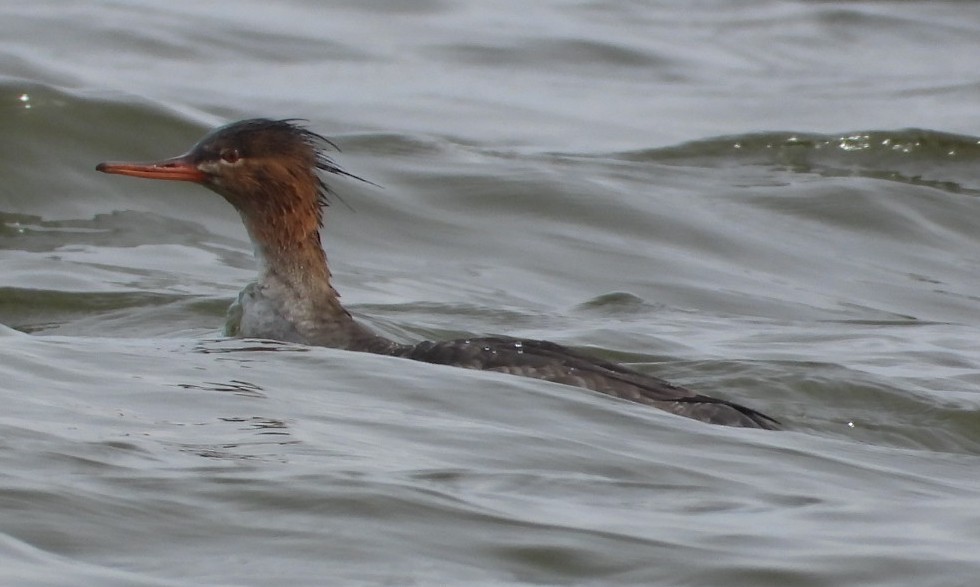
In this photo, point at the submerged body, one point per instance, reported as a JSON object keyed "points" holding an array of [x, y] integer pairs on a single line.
{"points": [[268, 170]]}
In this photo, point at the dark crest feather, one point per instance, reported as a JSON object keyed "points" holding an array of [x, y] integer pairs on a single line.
{"points": [[324, 162]]}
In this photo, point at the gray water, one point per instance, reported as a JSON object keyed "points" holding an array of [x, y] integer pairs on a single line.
{"points": [[771, 202]]}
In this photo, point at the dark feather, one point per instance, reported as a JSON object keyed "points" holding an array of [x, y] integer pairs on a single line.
{"points": [[552, 362]]}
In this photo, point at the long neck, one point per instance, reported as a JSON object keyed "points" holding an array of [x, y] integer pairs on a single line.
{"points": [[295, 278]]}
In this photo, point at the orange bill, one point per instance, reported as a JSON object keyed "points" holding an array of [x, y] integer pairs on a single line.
{"points": [[176, 169]]}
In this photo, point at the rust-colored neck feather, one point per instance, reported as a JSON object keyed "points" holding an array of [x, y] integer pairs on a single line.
{"points": [[286, 233], [280, 205]]}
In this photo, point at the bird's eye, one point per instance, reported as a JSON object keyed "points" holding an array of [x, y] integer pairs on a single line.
{"points": [[230, 155]]}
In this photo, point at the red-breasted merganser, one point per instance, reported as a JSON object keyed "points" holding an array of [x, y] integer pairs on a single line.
{"points": [[269, 171]]}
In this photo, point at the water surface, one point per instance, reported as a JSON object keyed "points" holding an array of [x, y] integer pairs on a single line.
{"points": [[771, 202]]}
